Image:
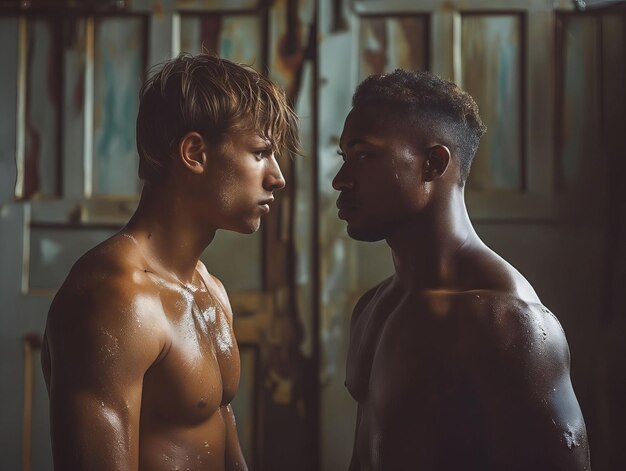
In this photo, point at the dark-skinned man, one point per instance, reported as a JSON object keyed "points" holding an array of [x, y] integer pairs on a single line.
{"points": [[453, 360]]}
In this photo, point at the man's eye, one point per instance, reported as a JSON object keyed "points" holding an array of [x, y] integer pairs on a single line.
{"points": [[259, 154], [353, 157]]}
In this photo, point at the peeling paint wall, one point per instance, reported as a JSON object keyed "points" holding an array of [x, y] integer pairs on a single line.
{"points": [[548, 85]]}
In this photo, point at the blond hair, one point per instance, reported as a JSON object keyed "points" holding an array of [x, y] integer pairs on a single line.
{"points": [[214, 97]]}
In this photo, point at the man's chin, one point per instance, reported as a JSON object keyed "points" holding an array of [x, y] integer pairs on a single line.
{"points": [[363, 234], [243, 226], [250, 227]]}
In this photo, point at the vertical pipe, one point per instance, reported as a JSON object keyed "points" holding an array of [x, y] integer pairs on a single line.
{"points": [[316, 275], [28, 406], [457, 41], [25, 282], [88, 107], [20, 141], [175, 34]]}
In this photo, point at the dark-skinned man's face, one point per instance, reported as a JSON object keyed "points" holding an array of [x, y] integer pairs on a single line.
{"points": [[380, 180]]}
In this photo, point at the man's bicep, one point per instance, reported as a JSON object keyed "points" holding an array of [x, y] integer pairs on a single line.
{"points": [[97, 361], [100, 347], [95, 430], [537, 420], [540, 430], [94, 412]]}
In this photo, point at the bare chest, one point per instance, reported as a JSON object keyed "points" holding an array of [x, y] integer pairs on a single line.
{"points": [[410, 350], [412, 383], [200, 371]]}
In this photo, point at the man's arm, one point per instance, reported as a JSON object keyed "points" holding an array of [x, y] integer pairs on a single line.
{"points": [[536, 420], [101, 342]]}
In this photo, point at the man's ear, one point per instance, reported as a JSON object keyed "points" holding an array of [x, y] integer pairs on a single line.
{"points": [[192, 152], [437, 162]]}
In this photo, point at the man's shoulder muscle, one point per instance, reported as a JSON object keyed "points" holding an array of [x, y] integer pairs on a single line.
{"points": [[103, 310], [502, 325], [520, 331], [520, 364]]}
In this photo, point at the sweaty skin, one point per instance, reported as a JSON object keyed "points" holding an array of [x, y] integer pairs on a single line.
{"points": [[453, 360], [139, 353], [139, 349]]}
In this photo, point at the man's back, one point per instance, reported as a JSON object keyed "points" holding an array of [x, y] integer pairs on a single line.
{"points": [[463, 377], [127, 345]]}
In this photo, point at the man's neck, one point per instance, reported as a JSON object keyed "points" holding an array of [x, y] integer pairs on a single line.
{"points": [[169, 234], [424, 250]]}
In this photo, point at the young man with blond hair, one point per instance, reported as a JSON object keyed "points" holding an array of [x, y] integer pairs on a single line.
{"points": [[139, 354]]}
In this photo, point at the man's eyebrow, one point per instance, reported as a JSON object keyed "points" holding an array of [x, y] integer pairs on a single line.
{"points": [[354, 141], [261, 141]]}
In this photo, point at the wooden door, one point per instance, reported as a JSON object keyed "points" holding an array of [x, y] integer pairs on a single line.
{"points": [[69, 94]]}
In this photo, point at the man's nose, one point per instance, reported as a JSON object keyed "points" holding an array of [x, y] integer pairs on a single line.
{"points": [[342, 180], [274, 179]]}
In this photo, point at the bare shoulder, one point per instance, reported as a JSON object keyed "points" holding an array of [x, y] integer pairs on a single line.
{"points": [[517, 330], [107, 298], [519, 360]]}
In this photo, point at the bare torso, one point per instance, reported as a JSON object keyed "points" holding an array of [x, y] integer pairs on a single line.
{"points": [[440, 377], [151, 342], [184, 394]]}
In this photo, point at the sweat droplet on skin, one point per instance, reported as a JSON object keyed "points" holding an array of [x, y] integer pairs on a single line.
{"points": [[224, 338], [210, 315], [570, 440]]}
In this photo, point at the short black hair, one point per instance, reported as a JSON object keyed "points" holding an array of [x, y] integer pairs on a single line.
{"points": [[440, 108]]}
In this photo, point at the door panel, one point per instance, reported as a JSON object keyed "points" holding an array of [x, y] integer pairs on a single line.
{"points": [[9, 28], [120, 49], [491, 71], [390, 42]]}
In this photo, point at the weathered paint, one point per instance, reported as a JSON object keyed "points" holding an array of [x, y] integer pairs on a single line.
{"points": [[242, 271], [234, 37], [119, 52], [580, 132], [8, 106], [491, 55], [42, 106], [53, 252], [387, 43], [74, 59], [221, 5]]}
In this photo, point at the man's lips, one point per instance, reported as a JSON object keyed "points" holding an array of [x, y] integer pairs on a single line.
{"points": [[346, 204], [346, 207], [265, 204]]}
